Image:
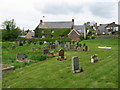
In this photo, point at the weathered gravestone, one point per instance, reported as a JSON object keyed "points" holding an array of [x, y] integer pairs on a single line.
{"points": [[61, 54], [53, 46], [75, 65], [94, 58], [21, 57], [45, 51], [85, 48], [71, 46], [13, 47], [66, 45]]}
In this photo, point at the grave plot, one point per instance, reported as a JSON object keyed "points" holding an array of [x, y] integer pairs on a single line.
{"points": [[21, 57]]}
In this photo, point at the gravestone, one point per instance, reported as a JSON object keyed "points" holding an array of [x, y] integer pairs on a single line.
{"points": [[21, 57], [61, 52], [85, 48], [53, 46], [66, 45], [75, 65], [45, 51], [94, 58], [13, 47], [76, 47], [71, 46], [61, 55]]}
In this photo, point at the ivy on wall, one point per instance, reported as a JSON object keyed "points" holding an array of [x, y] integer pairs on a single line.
{"points": [[49, 32]]}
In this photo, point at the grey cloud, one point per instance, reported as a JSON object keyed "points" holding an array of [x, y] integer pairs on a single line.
{"points": [[60, 8], [100, 9], [103, 9]]}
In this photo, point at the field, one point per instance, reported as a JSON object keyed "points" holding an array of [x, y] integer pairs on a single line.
{"points": [[51, 73]]}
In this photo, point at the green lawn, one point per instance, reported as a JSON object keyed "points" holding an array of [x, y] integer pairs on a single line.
{"points": [[51, 73]]}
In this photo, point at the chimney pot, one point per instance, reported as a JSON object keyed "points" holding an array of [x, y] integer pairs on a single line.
{"points": [[72, 20], [41, 21]]}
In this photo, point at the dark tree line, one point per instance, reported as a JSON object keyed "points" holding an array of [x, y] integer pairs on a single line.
{"points": [[10, 31]]}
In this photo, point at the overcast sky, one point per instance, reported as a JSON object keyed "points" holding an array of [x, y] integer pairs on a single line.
{"points": [[27, 13]]}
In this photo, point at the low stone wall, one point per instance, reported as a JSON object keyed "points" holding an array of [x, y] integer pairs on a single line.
{"points": [[107, 36]]}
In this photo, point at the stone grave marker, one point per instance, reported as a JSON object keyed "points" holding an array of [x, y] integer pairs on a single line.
{"points": [[94, 58], [45, 51], [75, 65], [71, 46], [13, 47], [53, 46], [21, 57], [61, 55], [85, 48], [61, 52]]}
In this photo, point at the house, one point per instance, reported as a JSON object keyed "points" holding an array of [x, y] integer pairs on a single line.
{"points": [[111, 28], [54, 29], [77, 32], [29, 35], [108, 28]]}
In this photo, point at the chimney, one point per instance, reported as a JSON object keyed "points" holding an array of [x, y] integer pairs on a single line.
{"points": [[72, 20], [41, 21], [113, 22]]}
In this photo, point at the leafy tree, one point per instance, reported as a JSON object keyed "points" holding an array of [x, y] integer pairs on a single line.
{"points": [[10, 30]]}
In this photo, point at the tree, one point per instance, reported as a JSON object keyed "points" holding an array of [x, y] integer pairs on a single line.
{"points": [[88, 27], [10, 30]]}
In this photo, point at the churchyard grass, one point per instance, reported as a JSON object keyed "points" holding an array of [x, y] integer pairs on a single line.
{"points": [[51, 73]]}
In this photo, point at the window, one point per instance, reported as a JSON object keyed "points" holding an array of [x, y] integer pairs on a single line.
{"points": [[43, 36], [52, 31], [42, 31]]}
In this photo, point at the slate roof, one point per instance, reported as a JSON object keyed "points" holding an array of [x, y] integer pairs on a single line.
{"points": [[102, 27], [79, 28], [66, 24]]}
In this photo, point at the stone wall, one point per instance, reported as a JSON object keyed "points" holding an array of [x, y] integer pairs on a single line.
{"points": [[107, 36]]}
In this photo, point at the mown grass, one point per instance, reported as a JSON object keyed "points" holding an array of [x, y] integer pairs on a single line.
{"points": [[57, 74]]}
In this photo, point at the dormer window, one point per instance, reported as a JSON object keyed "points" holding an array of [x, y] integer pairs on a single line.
{"points": [[52, 31], [42, 31]]}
